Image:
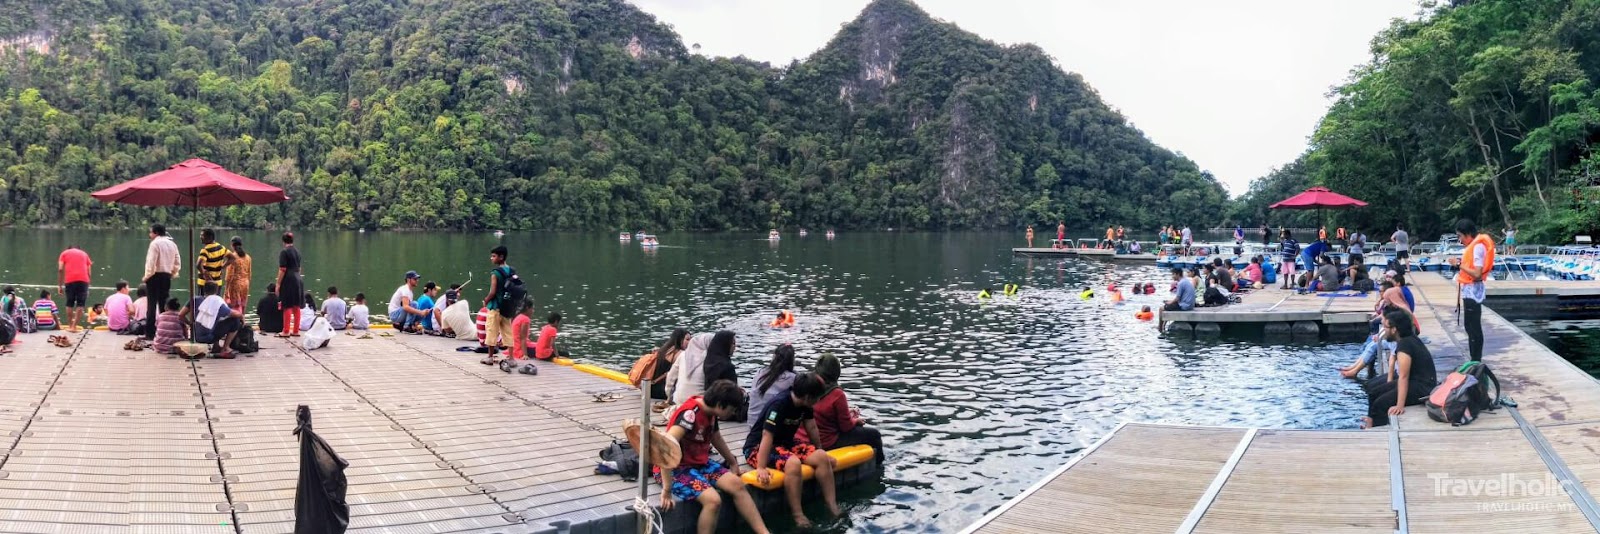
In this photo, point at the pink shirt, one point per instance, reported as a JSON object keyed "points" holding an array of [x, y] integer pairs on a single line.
{"points": [[117, 311]]}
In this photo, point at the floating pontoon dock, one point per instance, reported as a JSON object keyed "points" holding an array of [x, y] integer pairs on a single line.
{"points": [[1502, 473]]}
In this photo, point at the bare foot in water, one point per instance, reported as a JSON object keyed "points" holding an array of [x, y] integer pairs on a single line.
{"points": [[834, 509], [801, 522]]}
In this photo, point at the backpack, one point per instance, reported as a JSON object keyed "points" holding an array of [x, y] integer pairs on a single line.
{"points": [[245, 341], [27, 323], [1464, 395], [645, 366], [621, 457], [8, 330], [512, 291]]}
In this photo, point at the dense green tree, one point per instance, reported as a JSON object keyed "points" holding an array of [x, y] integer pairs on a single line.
{"points": [[531, 114], [1483, 109]]}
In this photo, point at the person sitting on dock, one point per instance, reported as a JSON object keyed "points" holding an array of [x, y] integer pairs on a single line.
{"points": [[698, 477], [269, 319], [1376, 342], [1134, 248], [1252, 273], [839, 424], [1327, 275], [772, 442], [1412, 379], [773, 381], [1183, 298]]}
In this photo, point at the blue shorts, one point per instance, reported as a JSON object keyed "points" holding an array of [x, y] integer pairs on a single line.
{"points": [[688, 482]]}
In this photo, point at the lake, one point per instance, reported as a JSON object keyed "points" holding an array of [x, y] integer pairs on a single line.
{"points": [[977, 400]]}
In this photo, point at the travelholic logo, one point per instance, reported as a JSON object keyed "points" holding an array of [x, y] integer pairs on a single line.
{"points": [[1516, 489]]}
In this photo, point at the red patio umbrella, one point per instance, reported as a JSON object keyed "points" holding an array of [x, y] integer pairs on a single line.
{"points": [[194, 183], [1318, 198]]}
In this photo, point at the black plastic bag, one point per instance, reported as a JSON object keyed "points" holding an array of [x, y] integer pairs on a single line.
{"points": [[319, 505]]}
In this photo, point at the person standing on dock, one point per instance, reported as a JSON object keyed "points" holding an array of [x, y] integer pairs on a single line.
{"points": [[1030, 236], [1477, 261], [1266, 235], [1061, 234], [1402, 249], [161, 264], [291, 290], [1289, 252], [73, 284], [236, 283], [1188, 239], [213, 261]]}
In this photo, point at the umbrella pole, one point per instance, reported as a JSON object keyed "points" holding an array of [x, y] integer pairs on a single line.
{"points": [[194, 275]]}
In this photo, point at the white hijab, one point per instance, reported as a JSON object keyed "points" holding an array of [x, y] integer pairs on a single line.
{"points": [[689, 370]]}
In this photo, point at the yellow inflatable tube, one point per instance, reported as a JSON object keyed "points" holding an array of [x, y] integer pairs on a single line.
{"points": [[562, 361], [848, 457]]}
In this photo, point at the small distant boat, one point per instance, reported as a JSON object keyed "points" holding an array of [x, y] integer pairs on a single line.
{"points": [[649, 241], [639, 234], [773, 236], [830, 234], [499, 234], [803, 232], [624, 237]]}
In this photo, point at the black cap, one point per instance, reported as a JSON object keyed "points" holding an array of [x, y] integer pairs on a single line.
{"points": [[412, 275]]}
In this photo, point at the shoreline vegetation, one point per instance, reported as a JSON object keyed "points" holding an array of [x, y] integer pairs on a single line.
{"points": [[591, 114]]}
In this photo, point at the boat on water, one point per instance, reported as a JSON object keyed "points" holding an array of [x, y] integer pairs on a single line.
{"points": [[499, 234], [774, 236], [829, 234], [649, 241], [624, 237], [803, 232]]}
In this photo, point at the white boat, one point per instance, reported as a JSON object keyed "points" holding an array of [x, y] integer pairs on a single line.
{"points": [[830, 234], [624, 237], [803, 232], [773, 236], [499, 234], [649, 241]]}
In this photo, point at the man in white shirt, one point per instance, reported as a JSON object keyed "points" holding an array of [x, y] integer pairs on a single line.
{"points": [[401, 312], [1402, 248], [161, 265]]}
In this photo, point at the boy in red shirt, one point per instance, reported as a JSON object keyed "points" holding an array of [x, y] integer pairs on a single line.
{"points": [[694, 426]]}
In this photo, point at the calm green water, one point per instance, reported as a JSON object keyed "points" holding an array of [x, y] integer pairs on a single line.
{"points": [[977, 400]]}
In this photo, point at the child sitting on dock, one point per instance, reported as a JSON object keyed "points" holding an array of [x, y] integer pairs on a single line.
{"points": [[169, 328], [772, 442], [839, 424], [360, 316], [698, 477], [45, 311]]}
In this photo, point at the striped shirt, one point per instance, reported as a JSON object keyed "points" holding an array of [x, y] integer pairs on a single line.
{"points": [[212, 257], [44, 313]]}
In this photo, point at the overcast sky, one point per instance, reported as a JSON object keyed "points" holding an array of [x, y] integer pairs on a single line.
{"points": [[1236, 85]]}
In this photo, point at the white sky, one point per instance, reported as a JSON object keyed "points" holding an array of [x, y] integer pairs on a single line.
{"points": [[1235, 85]]}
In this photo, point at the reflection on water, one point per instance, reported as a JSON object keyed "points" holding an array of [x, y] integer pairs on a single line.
{"points": [[977, 400], [1577, 341]]}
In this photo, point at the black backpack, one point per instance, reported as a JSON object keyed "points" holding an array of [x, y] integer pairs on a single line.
{"points": [[8, 330], [621, 452], [245, 341], [512, 291]]}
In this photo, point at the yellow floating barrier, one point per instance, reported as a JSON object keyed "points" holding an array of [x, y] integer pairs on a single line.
{"points": [[602, 372], [847, 457], [562, 361]]}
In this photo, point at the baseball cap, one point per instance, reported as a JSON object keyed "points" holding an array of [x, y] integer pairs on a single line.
{"points": [[412, 275]]}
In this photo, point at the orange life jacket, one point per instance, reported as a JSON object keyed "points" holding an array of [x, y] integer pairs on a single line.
{"points": [[784, 320], [1143, 315], [1467, 261]]}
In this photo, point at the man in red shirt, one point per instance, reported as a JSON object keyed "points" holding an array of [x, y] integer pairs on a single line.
{"points": [[73, 267]]}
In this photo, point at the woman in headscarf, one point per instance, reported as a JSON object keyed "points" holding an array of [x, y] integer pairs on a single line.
{"points": [[688, 373], [772, 381], [291, 292], [236, 283], [719, 359], [840, 425]]}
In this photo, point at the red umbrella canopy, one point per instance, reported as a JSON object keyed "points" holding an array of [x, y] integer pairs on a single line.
{"points": [[1318, 198], [197, 183]]}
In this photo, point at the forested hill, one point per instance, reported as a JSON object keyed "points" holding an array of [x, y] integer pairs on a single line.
{"points": [[535, 114], [1485, 108]]}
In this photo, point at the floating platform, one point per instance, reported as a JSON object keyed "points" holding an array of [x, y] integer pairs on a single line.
{"points": [[1502, 473], [1102, 253], [1343, 315], [106, 440]]}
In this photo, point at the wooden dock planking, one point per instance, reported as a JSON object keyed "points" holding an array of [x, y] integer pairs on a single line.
{"points": [[1432, 460], [1316, 481], [1145, 478]]}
